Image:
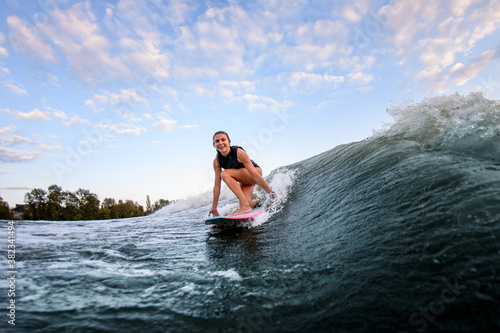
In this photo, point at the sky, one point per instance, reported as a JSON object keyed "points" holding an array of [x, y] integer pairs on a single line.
{"points": [[122, 98]]}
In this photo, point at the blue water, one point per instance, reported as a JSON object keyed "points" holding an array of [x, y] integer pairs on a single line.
{"points": [[398, 232]]}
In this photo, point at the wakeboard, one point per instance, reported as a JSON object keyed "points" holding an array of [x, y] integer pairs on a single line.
{"points": [[223, 220]]}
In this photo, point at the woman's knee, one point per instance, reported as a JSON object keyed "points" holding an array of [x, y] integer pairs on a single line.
{"points": [[225, 175]]}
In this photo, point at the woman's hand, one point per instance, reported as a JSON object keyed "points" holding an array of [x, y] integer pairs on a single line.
{"points": [[214, 212]]}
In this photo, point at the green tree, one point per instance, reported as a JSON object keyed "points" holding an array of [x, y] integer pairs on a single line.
{"points": [[129, 209], [161, 203], [55, 200], [88, 204], [5, 212], [104, 213], [80, 205], [71, 208], [149, 208], [36, 202], [108, 209]]}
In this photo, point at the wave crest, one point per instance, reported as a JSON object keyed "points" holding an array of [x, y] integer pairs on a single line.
{"points": [[470, 124]]}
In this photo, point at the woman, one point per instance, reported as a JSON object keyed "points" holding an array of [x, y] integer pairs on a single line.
{"points": [[240, 174]]}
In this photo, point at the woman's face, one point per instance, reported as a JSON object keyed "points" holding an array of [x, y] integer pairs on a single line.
{"points": [[222, 144]]}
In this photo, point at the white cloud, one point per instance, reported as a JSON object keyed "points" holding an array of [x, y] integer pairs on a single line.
{"points": [[355, 10], [461, 73], [440, 34], [221, 45], [141, 41], [163, 90], [46, 78], [264, 102], [79, 36], [357, 63], [17, 188], [460, 7], [129, 116], [360, 78], [188, 126], [225, 41], [76, 121], [408, 19], [291, 8], [146, 55], [16, 140], [4, 69], [310, 56], [18, 90], [60, 114], [127, 98], [201, 90], [35, 114], [3, 51], [92, 105], [234, 43], [164, 125], [122, 128], [351, 15], [7, 129], [11, 155], [176, 11], [230, 89], [314, 80], [320, 32], [20, 155], [28, 42], [488, 18]]}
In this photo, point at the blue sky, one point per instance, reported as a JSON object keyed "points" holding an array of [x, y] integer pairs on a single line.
{"points": [[122, 97]]}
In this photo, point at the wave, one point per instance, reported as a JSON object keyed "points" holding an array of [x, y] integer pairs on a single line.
{"points": [[381, 227], [469, 124], [416, 204]]}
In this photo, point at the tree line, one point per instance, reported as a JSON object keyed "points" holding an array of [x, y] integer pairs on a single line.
{"points": [[5, 211], [58, 205]]}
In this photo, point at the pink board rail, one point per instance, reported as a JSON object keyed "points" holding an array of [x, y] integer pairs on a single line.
{"points": [[242, 217]]}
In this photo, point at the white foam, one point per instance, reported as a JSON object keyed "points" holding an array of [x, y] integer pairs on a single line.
{"points": [[281, 181], [444, 119], [194, 201], [231, 274], [188, 288]]}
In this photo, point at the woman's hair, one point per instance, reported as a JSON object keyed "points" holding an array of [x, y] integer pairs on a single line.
{"points": [[220, 132]]}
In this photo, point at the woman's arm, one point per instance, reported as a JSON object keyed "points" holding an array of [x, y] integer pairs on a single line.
{"points": [[217, 186]]}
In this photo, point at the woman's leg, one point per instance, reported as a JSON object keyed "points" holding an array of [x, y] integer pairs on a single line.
{"points": [[241, 183], [248, 191]]}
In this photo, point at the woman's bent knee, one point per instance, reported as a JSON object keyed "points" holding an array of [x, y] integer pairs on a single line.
{"points": [[227, 175]]}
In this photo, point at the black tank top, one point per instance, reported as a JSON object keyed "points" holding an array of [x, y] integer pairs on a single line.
{"points": [[231, 160]]}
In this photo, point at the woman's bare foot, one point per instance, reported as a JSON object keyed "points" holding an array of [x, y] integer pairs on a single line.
{"points": [[243, 210], [255, 203]]}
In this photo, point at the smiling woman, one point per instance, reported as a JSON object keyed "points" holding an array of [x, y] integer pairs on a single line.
{"points": [[240, 174]]}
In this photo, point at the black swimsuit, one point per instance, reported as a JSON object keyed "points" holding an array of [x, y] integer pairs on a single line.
{"points": [[231, 160]]}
